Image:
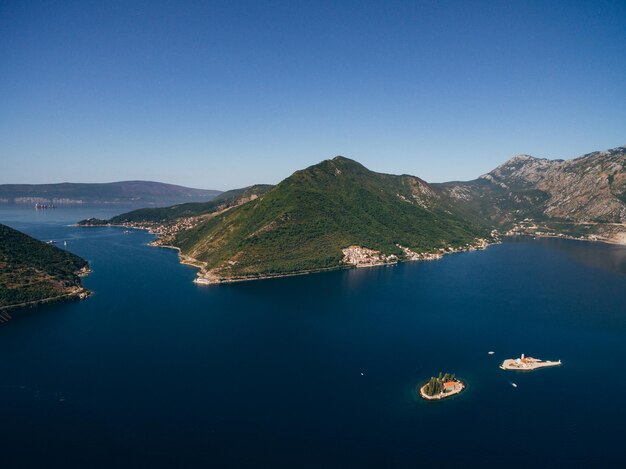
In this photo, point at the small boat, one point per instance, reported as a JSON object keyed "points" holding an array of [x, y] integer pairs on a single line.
{"points": [[491, 353], [52, 241], [514, 385], [64, 243]]}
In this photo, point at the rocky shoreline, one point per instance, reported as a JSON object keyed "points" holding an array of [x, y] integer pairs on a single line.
{"points": [[77, 293]]}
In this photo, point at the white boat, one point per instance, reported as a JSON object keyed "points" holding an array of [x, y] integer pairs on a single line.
{"points": [[514, 385], [491, 353]]}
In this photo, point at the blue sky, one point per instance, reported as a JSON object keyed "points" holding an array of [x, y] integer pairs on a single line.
{"points": [[226, 94]]}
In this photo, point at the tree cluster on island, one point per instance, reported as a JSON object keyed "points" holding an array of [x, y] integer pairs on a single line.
{"points": [[436, 384]]}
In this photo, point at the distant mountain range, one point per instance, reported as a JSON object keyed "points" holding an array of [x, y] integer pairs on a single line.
{"points": [[142, 193], [338, 213], [33, 272]]}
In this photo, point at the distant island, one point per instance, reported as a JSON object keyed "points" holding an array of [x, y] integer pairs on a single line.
{"points": [[339, 214], [33, 272], [527, 363], [129, 193], [441, 387]]}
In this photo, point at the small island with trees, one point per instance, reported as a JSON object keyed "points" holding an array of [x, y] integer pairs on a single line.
{"points": [[441, 387]]}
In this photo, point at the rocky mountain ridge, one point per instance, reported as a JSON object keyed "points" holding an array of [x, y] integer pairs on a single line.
{"points": [[587, 189]]}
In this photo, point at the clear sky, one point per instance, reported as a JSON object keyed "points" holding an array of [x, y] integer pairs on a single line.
{"points": [[219, 95]]}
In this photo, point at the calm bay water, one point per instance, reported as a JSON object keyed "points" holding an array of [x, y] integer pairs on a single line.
{"points": [[154, 371]]}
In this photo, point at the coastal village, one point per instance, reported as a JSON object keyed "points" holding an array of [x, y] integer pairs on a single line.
{"points": [[165, 232], [359, 256], [529, 227]]}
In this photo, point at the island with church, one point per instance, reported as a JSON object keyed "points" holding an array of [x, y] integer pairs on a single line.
{"points": [[441, 387], [524, 363]]}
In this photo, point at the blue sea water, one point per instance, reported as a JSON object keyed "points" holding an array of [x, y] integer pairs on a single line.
{"points": [[317, 370]]}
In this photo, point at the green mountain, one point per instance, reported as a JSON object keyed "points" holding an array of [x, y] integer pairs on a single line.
{"points": [[309, 220], [34, 272], [126, 192]]}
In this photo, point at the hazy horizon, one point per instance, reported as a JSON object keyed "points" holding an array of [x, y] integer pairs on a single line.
{"points": [[225, 95], [260, 182]]}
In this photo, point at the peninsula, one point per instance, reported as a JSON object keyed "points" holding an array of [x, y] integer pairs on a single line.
{"points": [[332, 215], [526, 363], [441, 387], [33, 272]]}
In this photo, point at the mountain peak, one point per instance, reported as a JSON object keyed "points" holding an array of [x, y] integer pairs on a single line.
{"points": [[522, 157], [521, 161], [346, 162], [337, 165]]}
